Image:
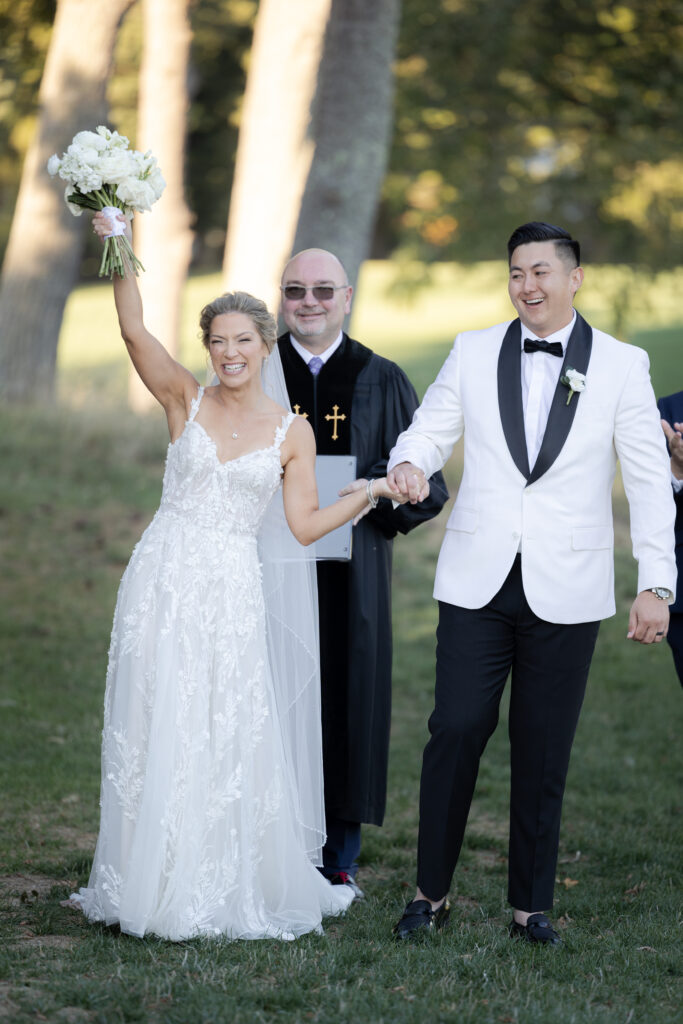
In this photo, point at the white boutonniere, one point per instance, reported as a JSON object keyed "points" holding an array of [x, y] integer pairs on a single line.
{"points": [[575, 381]]}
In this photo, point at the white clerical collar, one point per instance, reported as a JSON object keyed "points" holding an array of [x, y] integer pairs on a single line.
{"points": [[307, 355], [562, 335]]}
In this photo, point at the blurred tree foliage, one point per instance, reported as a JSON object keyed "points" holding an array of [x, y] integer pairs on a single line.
{"points": [[25, 27], [222, 39], [513, 110], [506, 110], [222, 32]]}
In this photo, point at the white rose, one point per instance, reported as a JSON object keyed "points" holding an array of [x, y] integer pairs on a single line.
{"points": [[116, 166], [90, 140], [136, 194], [83, 154], [577, 381], [53, 165]]}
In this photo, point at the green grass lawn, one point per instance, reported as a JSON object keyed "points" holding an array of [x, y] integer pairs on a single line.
{"points": [[79, 484]]}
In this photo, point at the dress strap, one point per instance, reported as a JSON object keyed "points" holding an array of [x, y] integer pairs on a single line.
{"points": [[281, 431], [194, 407]]}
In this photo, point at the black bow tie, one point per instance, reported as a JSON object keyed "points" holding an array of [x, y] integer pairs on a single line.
{"points": [[553, 348]]}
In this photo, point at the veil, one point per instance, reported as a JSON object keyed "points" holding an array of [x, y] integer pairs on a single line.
{"points": [[291, 599]]}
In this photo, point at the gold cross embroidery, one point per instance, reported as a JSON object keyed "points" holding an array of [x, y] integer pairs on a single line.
{"points": [[297, 410], [335, 417]]}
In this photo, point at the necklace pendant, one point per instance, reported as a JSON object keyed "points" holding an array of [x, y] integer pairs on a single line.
{"points": [[235, 436]]}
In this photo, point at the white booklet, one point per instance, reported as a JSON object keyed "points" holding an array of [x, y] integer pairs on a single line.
{"points": [[332, 472]]}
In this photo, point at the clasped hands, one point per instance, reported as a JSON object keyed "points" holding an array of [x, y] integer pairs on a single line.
{"points": [[404, 483]]}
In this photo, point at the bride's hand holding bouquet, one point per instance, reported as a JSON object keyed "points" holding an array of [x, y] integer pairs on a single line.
{"points": [[110, 222]]}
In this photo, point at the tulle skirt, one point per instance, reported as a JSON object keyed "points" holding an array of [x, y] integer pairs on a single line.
{"points": [[198, 830]]}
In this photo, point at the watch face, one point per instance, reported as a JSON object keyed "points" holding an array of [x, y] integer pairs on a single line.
{"points": [[661, 592]]}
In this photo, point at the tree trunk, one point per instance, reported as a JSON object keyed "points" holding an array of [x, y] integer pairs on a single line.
{"points": [[163, 238], [44, 250], [350, 128], [274, 151]]}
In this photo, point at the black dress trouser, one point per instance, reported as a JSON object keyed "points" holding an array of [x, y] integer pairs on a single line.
{"points": [[476, 650]]}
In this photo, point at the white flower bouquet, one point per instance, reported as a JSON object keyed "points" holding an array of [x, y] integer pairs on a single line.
{"points": [[103, 173]]}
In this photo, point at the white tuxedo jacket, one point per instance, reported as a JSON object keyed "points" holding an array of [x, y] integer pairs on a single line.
{"points": [[560, 509]]}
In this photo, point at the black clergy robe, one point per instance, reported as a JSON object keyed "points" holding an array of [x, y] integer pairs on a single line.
{"points": [[359, 403]]}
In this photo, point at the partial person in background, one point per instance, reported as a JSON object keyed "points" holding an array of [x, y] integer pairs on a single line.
{"points": [[357, 403], [547, 404], [671, 411]]}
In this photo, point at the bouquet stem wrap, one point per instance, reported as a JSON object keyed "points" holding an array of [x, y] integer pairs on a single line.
{"points": [[117, 253]]}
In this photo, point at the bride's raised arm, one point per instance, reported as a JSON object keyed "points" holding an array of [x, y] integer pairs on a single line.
{"points": [[170, 383]]}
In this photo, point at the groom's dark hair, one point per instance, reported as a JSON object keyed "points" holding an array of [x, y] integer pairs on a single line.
{"points": [[567, 248]]}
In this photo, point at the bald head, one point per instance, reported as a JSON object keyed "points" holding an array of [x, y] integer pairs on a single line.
{"points": [[321, 260], [316, 320]]}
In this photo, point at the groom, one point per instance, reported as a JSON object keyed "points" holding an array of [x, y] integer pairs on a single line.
{"points": [[546, 404]]}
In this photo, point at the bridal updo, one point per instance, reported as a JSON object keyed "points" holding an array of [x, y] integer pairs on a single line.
{"points": [[240, 302]]}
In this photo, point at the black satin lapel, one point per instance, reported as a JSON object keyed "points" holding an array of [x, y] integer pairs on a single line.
{"points": [[561, 415], [510, 396]]}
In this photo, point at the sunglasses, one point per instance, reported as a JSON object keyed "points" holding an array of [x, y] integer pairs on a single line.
{"points": [[321, 292]]}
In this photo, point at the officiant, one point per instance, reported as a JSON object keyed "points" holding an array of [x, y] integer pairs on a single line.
{"points": [[357, 403]]}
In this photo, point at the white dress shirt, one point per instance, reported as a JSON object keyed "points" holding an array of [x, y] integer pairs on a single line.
{"points": [[540, 373]]}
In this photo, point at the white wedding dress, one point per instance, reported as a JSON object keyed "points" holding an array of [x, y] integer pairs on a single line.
{"points": [[199, 834]]}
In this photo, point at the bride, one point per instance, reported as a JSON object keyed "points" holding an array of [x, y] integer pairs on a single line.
{"points": [[209, 798]]}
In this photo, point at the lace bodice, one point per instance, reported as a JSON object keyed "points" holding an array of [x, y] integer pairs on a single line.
{"points": [[229, 496]]}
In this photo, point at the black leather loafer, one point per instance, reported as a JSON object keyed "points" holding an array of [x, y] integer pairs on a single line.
{"points": [[419, 919], [537, 929]]}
